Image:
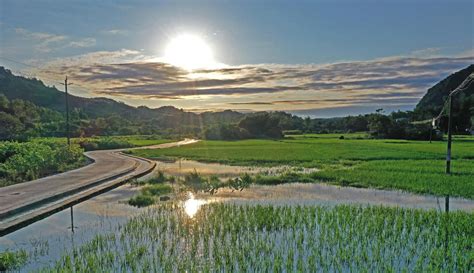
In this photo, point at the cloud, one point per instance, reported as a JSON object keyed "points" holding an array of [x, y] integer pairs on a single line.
{"points": [[48, 42], [115, 32], [129, 75], [45, 41], [86, 42]]}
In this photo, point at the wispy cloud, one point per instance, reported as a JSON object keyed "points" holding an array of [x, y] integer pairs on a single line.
{"points": [[115, 32], [45, 41], [48, 42], [392, 81], [86, 42]]}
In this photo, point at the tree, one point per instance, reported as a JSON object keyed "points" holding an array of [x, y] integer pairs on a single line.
{"points": [[261, 125], [11, 127]]}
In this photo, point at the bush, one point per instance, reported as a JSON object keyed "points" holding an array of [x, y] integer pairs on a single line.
{"points": [[158, 178], [195, 181], [104, 143], [141, 201], [31, 160], [156, 190]]}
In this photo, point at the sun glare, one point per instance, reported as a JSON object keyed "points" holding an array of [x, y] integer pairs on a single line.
{"points": [[191, 206], [189, 52]]}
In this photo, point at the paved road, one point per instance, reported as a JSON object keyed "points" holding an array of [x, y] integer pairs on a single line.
{"points": [[24, 201]]}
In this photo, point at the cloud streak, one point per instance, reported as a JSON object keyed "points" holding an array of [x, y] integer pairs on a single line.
{"points": [[48, 42], [127, 74]]}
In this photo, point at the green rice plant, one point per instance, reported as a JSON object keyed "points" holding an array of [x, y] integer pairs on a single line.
{"points": [[416, 166], [262, 238], [11, 260]]}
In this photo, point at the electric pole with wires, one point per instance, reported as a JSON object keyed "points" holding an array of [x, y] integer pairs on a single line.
{"points": [[67, 112], [463, 86]]}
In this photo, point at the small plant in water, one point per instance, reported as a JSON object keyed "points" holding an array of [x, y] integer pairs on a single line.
{"points": [[141, 201], [10, 260]]}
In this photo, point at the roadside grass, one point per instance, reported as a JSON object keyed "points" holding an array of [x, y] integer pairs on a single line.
{"points": [[414, 166], [108, 142]]}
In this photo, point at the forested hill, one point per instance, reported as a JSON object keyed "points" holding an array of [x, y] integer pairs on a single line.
{"points": [[431, 104], [34, 91]]}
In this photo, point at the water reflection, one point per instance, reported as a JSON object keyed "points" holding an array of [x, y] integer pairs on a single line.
{"points": [[192, 205]]}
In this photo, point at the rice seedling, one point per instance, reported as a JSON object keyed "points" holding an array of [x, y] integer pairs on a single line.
{"points": [[10, 260], [275, 238], [347, 162]]}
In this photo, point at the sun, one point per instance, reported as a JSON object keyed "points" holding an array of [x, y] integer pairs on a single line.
{"points": [[189, 52]]}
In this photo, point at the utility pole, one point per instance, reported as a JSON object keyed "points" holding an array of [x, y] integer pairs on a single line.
{"points": [[463, 86], [67, 112], [450, 136]]}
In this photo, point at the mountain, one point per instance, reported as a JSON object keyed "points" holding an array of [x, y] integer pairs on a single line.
{"points": [[463, 109], [34, 91]]}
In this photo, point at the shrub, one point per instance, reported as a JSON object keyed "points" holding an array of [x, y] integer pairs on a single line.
{"points": [[104, 143], [157, 189], [158, 178], [141, 201], [30, 160]]}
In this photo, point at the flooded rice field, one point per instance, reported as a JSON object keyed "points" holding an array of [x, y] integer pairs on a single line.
{"points": [[47, 239]]}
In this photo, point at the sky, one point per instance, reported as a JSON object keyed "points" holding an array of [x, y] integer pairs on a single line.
{"points": [[316, 58]]}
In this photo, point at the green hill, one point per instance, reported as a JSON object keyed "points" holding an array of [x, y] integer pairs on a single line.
{"points": [[96, 116], [432, 103]]}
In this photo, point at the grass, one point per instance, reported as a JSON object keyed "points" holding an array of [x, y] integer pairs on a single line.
{"points": [[265, 238], [109, 142], [393, 164], [141, 200], [153, 187], [157, 190], [420, 176]]}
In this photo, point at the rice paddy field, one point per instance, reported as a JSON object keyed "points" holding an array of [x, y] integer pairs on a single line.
{"points": [[415, 166], [226, 237]]}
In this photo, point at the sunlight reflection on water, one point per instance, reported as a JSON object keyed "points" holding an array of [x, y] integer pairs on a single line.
{"points": [[192, 205]]}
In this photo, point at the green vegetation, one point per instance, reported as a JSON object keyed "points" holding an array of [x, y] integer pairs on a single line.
{"points": [[28, 109], [31, 160], [408, 165], [265, 238], [24, 161], [463, 107], [153, 187], [141, 201], [118, 142], [11, 260], [157, 189]]}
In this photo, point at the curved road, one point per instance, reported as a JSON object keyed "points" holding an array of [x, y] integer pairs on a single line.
{"points": [[24, 203]]}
